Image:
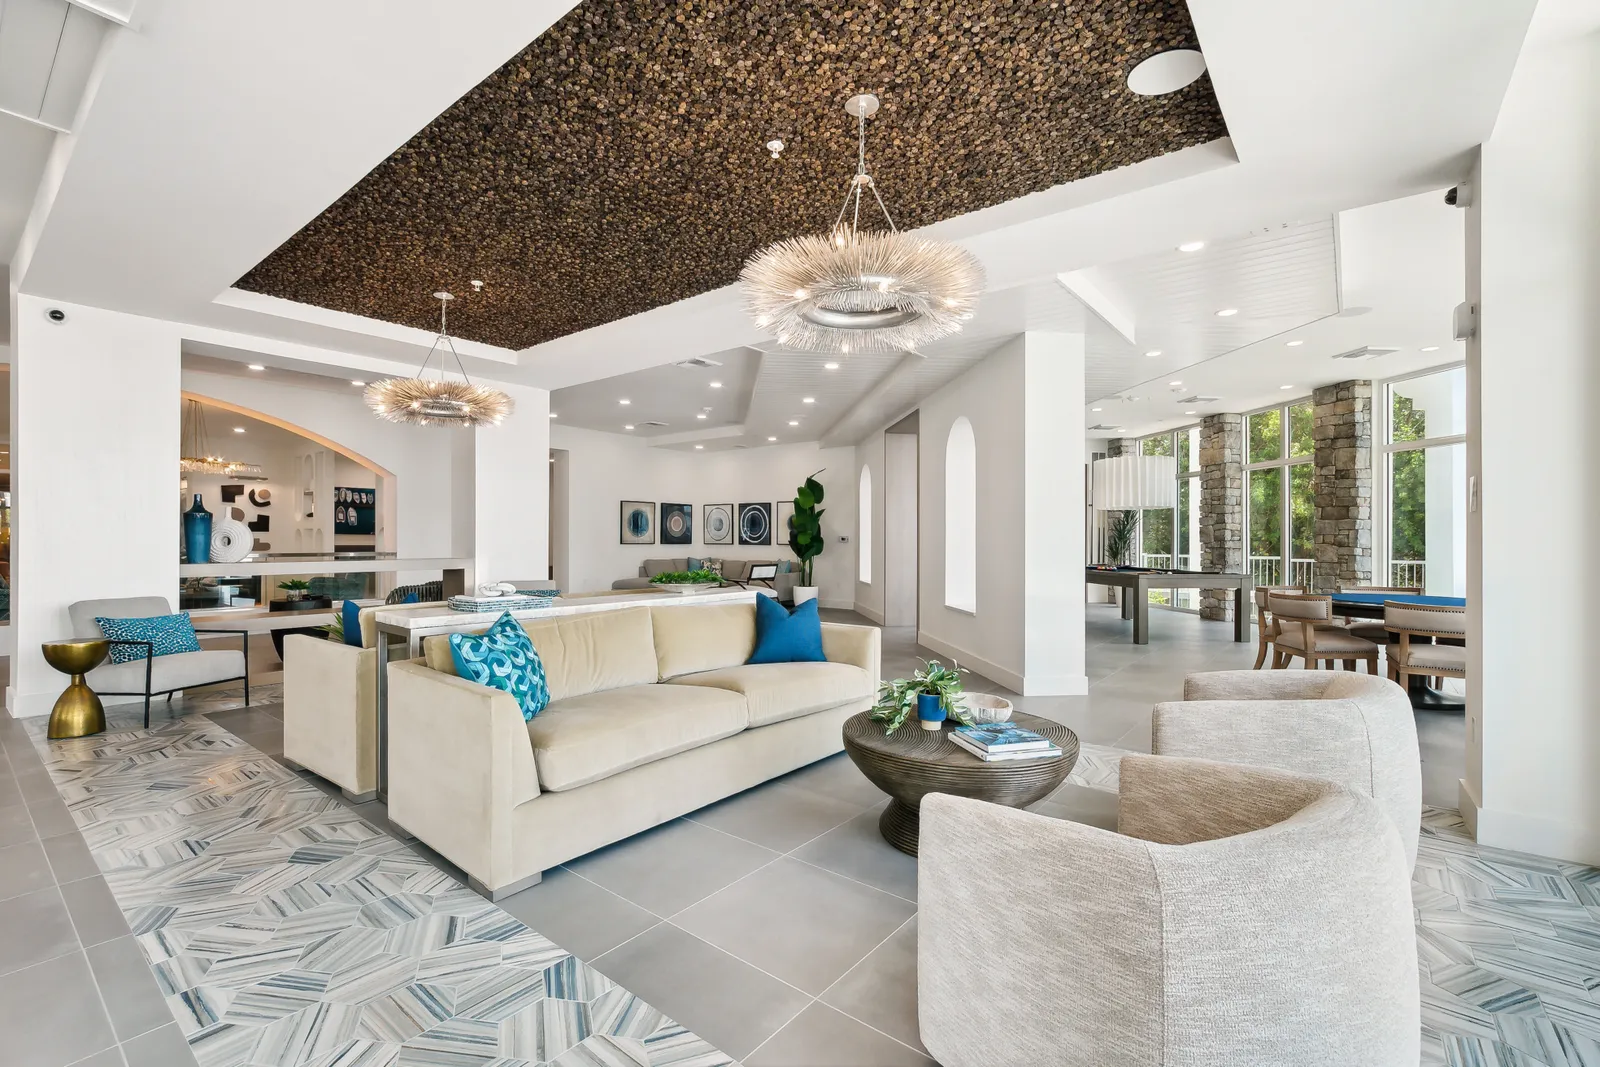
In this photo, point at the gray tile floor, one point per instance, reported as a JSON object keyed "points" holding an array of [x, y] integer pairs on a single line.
{"points": [[776, 924]]}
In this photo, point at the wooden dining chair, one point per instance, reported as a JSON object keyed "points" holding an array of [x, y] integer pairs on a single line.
{"points": [[1266, 626], [1300, 621], [1419, 634], [1372, 629]]}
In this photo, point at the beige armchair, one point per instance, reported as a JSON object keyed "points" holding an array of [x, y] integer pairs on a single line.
{"points": [[1372, 629], [1239, 916], [1266, 624], [1431, 657], [1352, 729], [1305, 629]]}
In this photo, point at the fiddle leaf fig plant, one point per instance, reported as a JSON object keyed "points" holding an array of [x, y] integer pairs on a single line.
{"points": [[1119, 538], [805, 528], [897, 700]]}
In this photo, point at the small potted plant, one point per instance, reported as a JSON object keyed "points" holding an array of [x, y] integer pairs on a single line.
{"points": [[930, 693], [295, 588]]}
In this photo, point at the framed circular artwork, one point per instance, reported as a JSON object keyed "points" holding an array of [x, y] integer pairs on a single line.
{"points": [[755, 524], [677, 524], [718, 524], [638, 522]]}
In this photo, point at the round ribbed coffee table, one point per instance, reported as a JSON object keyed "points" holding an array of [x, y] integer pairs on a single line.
{"points": [[913, 762]]}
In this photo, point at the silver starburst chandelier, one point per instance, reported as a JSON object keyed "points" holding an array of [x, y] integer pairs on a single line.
{"points": [[857, 290], [424, 401]]}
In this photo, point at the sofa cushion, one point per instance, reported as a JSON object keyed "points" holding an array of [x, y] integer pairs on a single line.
{"points": [[701, 637], [653, 567], [181, 670], [774, 692], [581, 653], [583, 739]]}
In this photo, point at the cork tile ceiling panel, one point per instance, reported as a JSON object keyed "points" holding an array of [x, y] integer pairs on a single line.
{"points": [[616, 163]]}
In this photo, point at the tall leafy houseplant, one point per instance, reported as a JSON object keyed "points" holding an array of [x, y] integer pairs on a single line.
{"points": [[805, 529], [1119, 538]]}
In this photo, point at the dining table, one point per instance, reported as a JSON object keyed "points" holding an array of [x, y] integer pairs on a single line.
{"points": [[1357, 605]]}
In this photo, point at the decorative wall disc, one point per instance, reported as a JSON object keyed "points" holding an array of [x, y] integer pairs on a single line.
{"points": [[231, 541]]}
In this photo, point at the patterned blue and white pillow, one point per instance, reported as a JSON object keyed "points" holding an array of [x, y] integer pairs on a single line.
{"points": [[169, 634], [503, 658]]}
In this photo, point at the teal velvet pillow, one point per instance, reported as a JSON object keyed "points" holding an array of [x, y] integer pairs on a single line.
{"points": [[170, 634], [503, 658], [696, 564], [784, 636], [351, 618]]}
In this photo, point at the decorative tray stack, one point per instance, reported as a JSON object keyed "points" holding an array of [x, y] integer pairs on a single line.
{"points": [[517, 602]]}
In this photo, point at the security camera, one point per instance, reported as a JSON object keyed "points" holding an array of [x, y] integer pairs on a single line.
{"points": [[56, 315], [1459, 195]]}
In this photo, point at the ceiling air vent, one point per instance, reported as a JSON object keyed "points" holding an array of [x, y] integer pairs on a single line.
{"points": [[698, 362], [652, 423], [1196, 398], [1102, 426], [1365, 352]]}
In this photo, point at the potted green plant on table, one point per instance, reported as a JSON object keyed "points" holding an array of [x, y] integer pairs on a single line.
{"points": [[930, 693], [295, 588], [805, 536], [1119, 540], [687, 581]]}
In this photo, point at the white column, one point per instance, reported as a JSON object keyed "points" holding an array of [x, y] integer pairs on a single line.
{"points": [[1053, 503], [1533, 268], [511, 492], [94, 451]]}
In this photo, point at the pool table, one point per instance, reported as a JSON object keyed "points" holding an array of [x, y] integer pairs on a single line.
{"points": [[1136, 583]]}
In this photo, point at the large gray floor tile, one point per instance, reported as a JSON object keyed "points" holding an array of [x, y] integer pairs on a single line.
{"points": [[163, 1047], [69, 857], [50, 1014], [16, 826], [673, 866], [1076, 803], [857, 850], [94, 910], [805, 925], [778, 816], [726, 1001], [23, 869], [881, 990], [820, 1035], [34, 927], [578, 915], [132, 998], [51, 817], [836, 777], [111, 1057]]}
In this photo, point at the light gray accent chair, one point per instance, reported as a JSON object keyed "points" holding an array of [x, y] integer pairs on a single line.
{"points": [[153, 675], [1353, 729], [1238, 916]]}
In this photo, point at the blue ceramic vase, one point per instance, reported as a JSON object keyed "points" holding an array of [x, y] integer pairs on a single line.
{"points": [[930, 709], [197, 532]]}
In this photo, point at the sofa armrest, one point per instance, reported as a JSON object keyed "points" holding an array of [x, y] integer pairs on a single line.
{"points": [[1175, 801], [1257, 685], [457, 751], [861, 646], [330, 710]]}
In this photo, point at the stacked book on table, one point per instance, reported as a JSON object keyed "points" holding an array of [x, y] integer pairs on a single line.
{"points": [[1002, 741], [513, 602]]}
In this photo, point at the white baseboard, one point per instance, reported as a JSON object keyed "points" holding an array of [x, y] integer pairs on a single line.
{"points": [[838, 605], [1055, 685], [1468, 804], [874, 616], [975, 663], [1573, 842]]}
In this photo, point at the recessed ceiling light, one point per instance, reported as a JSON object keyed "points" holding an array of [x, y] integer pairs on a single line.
{"points": [[714, 385], [701, 415], [1431, 348], [772, 438], [1166, 72], [257, 366], [629, 426], [830, 366], [794, 422], [699, 446], [1191, 413], [1174, 383], [808, 400], [238, 429], [1285, 387], [354, 381], [1191, 246], [1226, 312], [552, 414], [1294, 344], [1153, 352], [1097, 409], [624, 401]]}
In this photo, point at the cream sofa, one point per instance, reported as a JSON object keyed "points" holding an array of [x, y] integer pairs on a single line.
{"points": [[330, 707], [653, 714]]}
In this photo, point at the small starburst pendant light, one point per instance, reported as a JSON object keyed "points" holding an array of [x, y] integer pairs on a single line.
{"points": [[424, 401], [856, 290], [196, 456]]}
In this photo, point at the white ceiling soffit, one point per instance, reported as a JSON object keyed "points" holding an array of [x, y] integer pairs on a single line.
{"points": [[47, 49], [664, 400]]}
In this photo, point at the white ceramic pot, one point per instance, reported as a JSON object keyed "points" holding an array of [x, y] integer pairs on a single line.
{"points": [[803, 593], [985, 707]]}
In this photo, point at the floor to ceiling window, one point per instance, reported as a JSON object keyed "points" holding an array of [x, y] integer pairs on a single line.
{"points": [[1170, 537], [1424, 495], [1280, 511]]}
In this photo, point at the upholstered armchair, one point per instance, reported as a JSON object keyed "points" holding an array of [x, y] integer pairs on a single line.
{"points": [[1305, 628], [1441, 651], [1352, 729], [1266, 625], [152, 675], [1238, 916]]}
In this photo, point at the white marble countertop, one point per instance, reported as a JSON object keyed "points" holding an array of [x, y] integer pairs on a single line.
{"points": [[403, 619]]}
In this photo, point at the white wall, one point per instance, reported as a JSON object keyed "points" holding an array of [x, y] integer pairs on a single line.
{"points": [[95, 442], [605, 469], [511, 473], [1533, 241], [899, 529]]}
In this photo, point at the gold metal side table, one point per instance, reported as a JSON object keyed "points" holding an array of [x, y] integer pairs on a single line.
{"points": [[78, 711]]}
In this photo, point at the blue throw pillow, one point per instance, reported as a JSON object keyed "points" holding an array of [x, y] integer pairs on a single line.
{"points": [[503, 658], [170, 634], [696, 564], [784, 636], [411, 598], [351, 613]]}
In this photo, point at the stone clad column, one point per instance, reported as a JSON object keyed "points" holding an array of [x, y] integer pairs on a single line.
{"points": [[1343, 485], [1221, 507]]}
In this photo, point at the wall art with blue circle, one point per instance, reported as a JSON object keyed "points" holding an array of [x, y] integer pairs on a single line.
{"points": [[638, 522]]}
